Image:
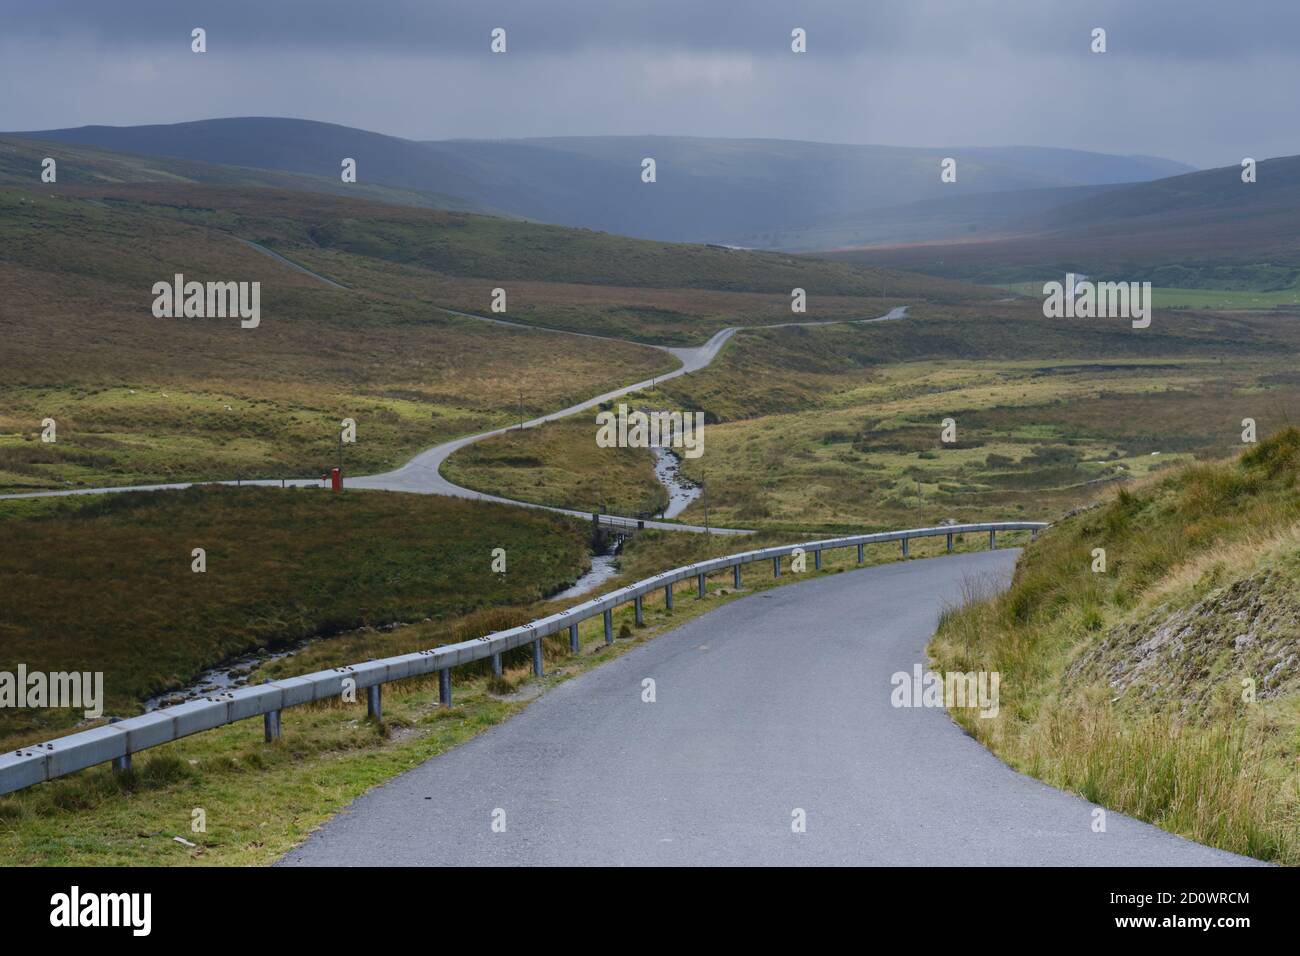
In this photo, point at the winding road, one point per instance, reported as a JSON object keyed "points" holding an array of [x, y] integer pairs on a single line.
{"points": [[768, 710], [423, 474], [775, 702]]}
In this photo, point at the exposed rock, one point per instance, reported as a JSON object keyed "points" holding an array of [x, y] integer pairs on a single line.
{"points": [[1247, 629]]}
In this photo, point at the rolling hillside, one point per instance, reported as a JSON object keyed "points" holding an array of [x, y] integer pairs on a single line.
{"points": [[761, 193], [139, 399], [20, 165], [1200, 230]]}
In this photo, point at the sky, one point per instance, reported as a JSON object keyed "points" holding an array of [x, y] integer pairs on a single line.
{"points": [[1206, 82]]}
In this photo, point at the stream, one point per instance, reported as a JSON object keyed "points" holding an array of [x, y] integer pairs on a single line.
{"points": [[681, 492]]}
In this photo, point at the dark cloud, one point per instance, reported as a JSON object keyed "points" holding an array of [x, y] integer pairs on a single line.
{"points": [[1200, 80], [1211, 29]]}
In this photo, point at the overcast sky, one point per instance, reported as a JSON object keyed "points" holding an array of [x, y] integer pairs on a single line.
{"points": [[1202, 81]]}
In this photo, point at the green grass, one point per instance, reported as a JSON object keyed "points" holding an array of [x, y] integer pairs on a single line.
{"points": [[139, 400], [1125, 685], [839, 428], [106, 584], [1169, 297], [560, 464]]}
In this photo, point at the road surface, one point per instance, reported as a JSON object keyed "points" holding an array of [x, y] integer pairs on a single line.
{"points": [[774, 702]]}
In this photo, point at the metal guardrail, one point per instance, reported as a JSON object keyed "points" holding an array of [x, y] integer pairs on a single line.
{"points": [[115, 742]]}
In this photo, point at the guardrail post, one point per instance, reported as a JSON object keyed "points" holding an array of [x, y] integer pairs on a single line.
{"points": [[123, 763], [668, 596], [993, 539], [375, 701], [817, 560], [904, 547], [444, 687], [700, 580], [271, 725], [640, 612], [776, 567], [609, 627], [861, 556], [735, 575], [537, 657], [574, 644], [496, 665], [950, 542]]}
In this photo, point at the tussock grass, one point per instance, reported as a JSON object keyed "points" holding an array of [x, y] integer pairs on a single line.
{"points": [[1205, 762], [105, 584]]}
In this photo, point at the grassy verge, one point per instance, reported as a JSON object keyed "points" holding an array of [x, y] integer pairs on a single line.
{"points": [[1165, 686], [260, 800], [107, 584]]}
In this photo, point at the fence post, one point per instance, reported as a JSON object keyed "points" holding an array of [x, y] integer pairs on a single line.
{"points": [[609, 627], [537, 657], [640, 612], [993, 539], [444, 687], [735, 575], [668, 596], [700, 581], [496, 665], [817, 560], [574, 644], [776, 567], [375, 701], [904, 548], [271, 725], [861, 556], [950, 542], [123, 763]]}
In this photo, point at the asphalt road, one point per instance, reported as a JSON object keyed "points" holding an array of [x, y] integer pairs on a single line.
{"points": [[774, 702]]}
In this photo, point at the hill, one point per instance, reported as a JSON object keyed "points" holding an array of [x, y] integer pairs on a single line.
{"points": [[1166, 682], [739, 191], [139, 399], [1170, 232], [20, 165]]}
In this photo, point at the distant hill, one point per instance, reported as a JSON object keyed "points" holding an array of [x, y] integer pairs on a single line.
{"points": [[942, 219], [753, 192], [20, 165], [1206, 229]]}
